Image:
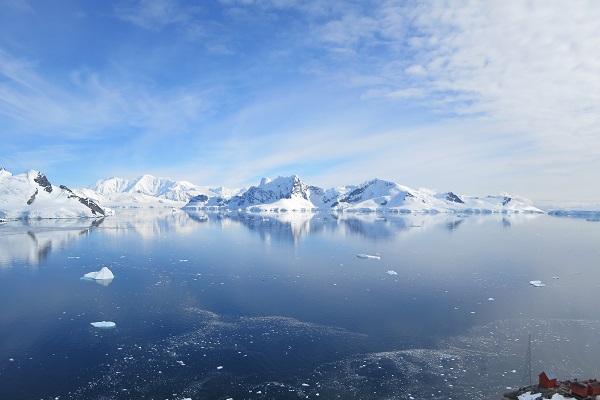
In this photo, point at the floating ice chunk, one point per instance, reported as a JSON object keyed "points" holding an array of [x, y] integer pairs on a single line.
{"points": [[104, 324], [220, 367], [537, 283], [104, 273], [529, 396], [367, 256], [491, 299], [555, 277], [391, 272]]}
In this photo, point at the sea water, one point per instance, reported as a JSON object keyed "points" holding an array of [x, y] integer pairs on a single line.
{"points": [[281, 306]]}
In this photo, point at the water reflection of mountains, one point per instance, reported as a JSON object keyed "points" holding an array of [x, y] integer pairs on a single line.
{"points": [[294, 226], [31, 241]]}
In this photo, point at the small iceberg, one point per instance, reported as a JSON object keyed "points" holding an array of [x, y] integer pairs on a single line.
{"points": [[391, 272], [367, 256], [104, 325], [537, 283], [103, 274]]}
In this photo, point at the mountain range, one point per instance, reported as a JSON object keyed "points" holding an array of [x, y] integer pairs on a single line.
{"points": [[291, 194], [30, 195]]}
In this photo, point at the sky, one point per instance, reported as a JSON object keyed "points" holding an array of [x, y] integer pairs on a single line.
{"points": [[474, 97]]}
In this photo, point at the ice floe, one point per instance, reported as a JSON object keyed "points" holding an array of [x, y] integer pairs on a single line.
{"points": [[368, 256], [537, 283], [103, 274], [104, 324], [391, 272]]}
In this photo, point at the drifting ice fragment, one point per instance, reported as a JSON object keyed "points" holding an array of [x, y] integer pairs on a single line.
{"points": [[529, 396], [491, 299], [537, 283], [104, 273], [390, 272], [104, 324], [367, 256]]}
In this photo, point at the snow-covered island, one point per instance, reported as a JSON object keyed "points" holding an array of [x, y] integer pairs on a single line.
{"points": [[30, 195]]}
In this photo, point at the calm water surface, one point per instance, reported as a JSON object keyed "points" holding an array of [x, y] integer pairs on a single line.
{"points": [[249, 306]]}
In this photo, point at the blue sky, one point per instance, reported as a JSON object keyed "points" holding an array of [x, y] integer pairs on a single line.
{"points": [[477, 97]]}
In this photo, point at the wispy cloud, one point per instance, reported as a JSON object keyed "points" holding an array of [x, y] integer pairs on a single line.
{"points": [[153, 14], [450, 94], [528, 65], [91, 108]]}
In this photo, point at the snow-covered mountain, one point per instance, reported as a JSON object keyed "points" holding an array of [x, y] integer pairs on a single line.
{"points": [[291, 194], [288, 193], [149, 191], [30, 195]]}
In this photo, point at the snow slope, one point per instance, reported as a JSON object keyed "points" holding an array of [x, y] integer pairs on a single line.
{"points": [[30, 195], [148, 191]]}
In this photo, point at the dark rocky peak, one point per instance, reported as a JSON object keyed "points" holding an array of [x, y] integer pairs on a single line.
{"points": [[201, 198], [41, 180], [32, 198], [89, 203], [355, 195], [454, 198], [506, 200]]}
